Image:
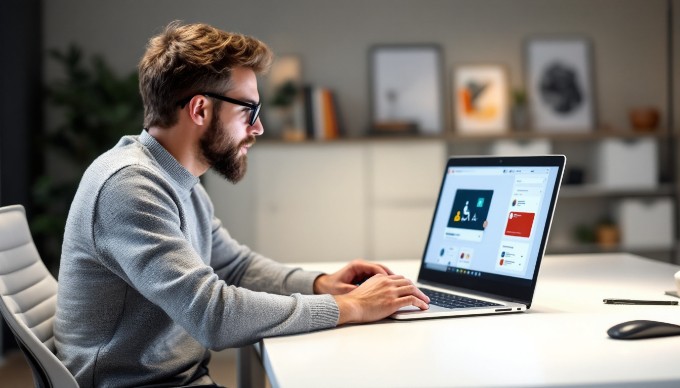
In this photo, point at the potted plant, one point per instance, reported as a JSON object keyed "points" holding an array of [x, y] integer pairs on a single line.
{"points": [[284, 103], [519, 112], [94, 108], [607, 233]]}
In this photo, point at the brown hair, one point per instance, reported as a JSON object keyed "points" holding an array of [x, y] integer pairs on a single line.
{"points": [[192, 58]]}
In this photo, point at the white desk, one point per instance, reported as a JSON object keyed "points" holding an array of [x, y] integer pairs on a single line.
{"points": [[561, 341]]}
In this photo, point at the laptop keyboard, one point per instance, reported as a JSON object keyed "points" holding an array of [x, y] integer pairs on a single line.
{"points": [[454, 301]]}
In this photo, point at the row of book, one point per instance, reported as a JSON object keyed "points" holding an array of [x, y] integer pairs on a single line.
{"points": [[321, 116]]}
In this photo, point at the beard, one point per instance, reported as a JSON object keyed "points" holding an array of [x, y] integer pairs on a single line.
{"points": [[222, 152]]}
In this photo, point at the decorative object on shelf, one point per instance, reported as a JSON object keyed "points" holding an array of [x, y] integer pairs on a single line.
{"points": [[285, 118], [560, 84], [406, 89], [631, 163], [607, 233], [520, 110], [644, 119], [647, 223], [584, 234], [574, 176], [283, 105], [481, 99]]}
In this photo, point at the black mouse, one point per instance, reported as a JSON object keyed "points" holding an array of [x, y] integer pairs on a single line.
{"points": [[643, 329]]}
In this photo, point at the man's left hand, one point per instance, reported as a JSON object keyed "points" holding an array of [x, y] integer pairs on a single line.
{"points": [[348, 278]]}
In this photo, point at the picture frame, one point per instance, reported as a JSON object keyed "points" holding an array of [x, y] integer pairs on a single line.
{"points": [[406, 89], [560, 84], [481, 99]]}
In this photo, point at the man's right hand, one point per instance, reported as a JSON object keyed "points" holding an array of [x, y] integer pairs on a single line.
{"points": [[378, 297]]}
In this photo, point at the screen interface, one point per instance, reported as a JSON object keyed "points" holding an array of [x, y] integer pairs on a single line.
{"points": [[490, 220]]}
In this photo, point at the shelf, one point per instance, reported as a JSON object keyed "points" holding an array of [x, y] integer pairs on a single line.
{"points": [[559, 136], [452, 136], [595, 191]]}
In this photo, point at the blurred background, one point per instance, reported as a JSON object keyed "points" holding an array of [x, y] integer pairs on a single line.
{"points": [[69, 93]]}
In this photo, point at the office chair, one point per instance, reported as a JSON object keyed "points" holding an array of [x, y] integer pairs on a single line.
{"points": [[28, 298]]}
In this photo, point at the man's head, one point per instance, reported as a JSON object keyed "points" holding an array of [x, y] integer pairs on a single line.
{"points": [[187, 59], [226, 140], [209, 76]]}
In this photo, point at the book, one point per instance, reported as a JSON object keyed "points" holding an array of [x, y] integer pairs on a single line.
{"points": [[321, 113]]}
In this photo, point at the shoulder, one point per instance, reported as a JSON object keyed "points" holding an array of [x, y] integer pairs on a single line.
{"points": [[126, 174]]}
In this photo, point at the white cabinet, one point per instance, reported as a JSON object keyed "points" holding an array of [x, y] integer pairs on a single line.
{"points": [[333, 201], [310, 202], [374, 199], [404, 183]]}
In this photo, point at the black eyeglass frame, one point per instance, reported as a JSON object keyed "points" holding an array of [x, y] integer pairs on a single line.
{"points": [[254, 108]]}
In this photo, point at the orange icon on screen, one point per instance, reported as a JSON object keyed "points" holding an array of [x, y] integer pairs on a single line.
{"points": [[502, 261]]}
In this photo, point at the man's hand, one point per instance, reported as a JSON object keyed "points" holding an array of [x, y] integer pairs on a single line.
{"points": [[347, 278], [378, 297]]}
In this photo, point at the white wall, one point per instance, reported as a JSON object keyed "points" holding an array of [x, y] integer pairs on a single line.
{"points": [[333, 37]]}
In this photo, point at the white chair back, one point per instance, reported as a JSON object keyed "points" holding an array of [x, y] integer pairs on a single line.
{"points": [[28, 297]]}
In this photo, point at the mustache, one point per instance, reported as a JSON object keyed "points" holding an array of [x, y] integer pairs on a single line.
{"points": [[248, 141]]}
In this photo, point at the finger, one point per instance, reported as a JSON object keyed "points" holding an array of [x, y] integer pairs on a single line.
{"points": [[387, 270], [412, 301], [420, 295], [420, 303], [399, 281], [345, 288], [361, 267], [412, 289]]}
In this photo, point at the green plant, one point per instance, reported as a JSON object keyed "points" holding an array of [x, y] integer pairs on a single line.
{"points": [[584, 234], [94, 107], [519, 97], [285, 94]]}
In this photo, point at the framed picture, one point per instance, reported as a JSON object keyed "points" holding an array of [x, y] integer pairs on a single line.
{"points": [[406, 89], [481, 99], [560, 85]]}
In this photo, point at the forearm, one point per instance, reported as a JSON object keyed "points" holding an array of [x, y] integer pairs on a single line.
{"points": [[266, 275], [238, 265]]}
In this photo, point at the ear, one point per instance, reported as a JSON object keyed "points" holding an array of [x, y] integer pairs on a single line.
{"points": [[200, 110]]}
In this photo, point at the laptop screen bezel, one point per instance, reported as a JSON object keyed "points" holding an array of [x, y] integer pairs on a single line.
{"points": [[502, 287]]}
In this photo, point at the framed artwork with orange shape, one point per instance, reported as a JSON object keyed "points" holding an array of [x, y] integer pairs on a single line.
{"points": [[481, 100]]}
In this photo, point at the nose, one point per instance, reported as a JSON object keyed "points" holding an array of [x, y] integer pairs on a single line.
{"points": [[256, 129]]}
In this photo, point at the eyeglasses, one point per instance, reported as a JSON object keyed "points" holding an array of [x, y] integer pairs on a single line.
{"points": [[254, 108]]}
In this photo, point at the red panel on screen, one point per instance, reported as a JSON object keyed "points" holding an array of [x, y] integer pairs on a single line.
{"points": [[519, 224]]}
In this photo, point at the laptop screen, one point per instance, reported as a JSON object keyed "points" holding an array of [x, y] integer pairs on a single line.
{"points": [[491, 224]]}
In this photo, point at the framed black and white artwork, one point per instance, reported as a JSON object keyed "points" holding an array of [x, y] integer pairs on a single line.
{"points": [[406, 89], [560, 84]]}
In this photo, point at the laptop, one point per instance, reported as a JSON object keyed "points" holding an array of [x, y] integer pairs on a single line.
{"points": [[488, 235]]}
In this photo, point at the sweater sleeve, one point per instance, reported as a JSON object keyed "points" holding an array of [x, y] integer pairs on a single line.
{"points": [[140, 234], [239, 265]]}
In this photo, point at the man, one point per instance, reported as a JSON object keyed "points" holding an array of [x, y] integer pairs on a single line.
{"points": [[149, 279]]}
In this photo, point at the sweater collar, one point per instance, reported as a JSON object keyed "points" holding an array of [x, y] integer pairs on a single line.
{"points": [[177, 172]]}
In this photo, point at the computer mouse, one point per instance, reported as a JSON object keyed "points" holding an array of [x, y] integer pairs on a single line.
{"points": [[643, 329]]}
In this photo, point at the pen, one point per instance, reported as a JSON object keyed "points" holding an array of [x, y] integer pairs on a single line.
{"points": [[634, 301]]}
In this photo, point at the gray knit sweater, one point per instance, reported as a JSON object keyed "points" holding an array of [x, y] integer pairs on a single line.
{"points": [[150, 280]]}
